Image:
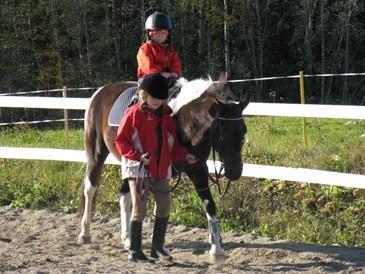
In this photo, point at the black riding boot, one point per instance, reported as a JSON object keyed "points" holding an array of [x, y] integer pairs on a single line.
{"points": [[135, 253], [159, 231]]}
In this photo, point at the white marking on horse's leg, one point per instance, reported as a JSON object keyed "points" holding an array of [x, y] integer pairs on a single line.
{"points": [[125, 203], [214, 235], [89, 192]]}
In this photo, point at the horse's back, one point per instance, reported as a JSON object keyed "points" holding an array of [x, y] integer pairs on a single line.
{"points": [[97, 130], [108, 94]]}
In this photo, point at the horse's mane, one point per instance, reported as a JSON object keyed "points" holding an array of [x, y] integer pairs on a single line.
{"points": [[192, 107], [188, 91]]}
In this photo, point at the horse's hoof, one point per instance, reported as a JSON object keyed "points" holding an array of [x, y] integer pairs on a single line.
{"points": [[218, 259], [216, 251], [84, 239]]}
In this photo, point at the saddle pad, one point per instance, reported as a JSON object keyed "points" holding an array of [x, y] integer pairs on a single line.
{"points": [[120, 106]]}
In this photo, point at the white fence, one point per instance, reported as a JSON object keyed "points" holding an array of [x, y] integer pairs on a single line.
{"points": [[264, 109], [249, 170]]}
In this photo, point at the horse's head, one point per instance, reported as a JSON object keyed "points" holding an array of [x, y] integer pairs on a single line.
{"points": [[228, 132], [202, 107]]}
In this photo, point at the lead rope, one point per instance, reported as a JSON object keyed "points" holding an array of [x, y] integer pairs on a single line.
{"points": [[142, 173]]}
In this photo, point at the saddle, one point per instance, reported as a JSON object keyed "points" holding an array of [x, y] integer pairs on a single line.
{"points": [[129, 97], [120, 106]]}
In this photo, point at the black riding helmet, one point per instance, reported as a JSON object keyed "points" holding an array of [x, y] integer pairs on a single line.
{"points": [[158, 20]]}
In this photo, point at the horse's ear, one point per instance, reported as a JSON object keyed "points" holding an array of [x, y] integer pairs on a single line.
{"points": [[244, 99], [219, 88], [223, 77]]}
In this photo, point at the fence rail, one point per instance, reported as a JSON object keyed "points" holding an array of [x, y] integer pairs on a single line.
{"points": [[264, 109], [250, 170]]}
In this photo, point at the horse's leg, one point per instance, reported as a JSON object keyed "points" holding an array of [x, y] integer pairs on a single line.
{"points": [[96, 153], [200, 179], [125, 203]]}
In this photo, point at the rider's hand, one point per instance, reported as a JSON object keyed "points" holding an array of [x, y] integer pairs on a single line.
{"points": [[145, 159], [191, 159]]}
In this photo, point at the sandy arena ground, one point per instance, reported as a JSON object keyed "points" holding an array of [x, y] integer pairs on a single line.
{"points": [[46, 242]]}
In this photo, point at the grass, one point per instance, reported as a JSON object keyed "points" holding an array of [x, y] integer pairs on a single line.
{"points": [[327, 215], [25, 136]]}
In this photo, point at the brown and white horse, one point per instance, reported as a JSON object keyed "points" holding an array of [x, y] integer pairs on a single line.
{"points": [[205, 119]]}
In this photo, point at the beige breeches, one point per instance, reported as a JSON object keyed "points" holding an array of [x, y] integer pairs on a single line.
{"points": [[159, 189]]}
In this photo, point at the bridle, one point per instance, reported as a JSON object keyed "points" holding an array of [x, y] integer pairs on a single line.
{"points": [[218, 145]]}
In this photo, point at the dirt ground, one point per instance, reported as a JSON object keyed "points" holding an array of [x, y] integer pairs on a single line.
{"points": [[45, 242]]}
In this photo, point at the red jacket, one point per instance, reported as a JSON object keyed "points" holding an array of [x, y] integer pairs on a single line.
{"points": [[152, 57], [137, 135]]}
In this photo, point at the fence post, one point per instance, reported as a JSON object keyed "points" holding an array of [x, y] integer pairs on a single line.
{"points": [[65, 115], [302, 101]]}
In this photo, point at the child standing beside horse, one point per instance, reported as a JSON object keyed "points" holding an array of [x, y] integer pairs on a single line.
{"points": [[147, 143], [157, 54]]}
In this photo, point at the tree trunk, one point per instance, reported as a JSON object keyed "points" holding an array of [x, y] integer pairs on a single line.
{"points": [[143, 20], [345, 91], [260, 49], [34, 48], [79, 44], [87, 42], [226, 41], [209, 40], [116, 35], [323, 56], [310, 8], [54, 20]]}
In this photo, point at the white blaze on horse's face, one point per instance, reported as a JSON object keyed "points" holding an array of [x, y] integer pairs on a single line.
{"points": [[189, 91]]}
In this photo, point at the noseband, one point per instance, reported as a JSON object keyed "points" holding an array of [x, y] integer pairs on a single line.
{"points": [[218, 143]]}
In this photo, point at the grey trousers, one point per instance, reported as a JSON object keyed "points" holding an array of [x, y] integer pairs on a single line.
{"points": [[159, 189]]}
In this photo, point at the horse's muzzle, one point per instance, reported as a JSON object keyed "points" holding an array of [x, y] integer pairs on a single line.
{"points": [[233, 172]]}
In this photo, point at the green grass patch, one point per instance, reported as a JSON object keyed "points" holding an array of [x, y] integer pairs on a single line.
{"points": [[25, 136]]}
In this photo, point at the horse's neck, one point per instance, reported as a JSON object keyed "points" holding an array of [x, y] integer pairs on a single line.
{"points": [[184, 92], [193, 121], [192, 108]]}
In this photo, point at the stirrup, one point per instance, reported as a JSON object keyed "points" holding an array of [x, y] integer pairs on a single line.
{"points": [[137, 256], [161, 254]]}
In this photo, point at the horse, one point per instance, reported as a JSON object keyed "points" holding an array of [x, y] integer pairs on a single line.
{"points": [[206, 118]]}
